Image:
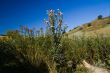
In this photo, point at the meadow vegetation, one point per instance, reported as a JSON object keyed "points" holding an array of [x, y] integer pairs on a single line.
{"points": [[28, 51]]}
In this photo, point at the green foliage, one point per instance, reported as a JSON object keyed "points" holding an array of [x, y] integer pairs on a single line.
{"points": [[31, 56], [100, 17], [92, 49], [35, 50]]}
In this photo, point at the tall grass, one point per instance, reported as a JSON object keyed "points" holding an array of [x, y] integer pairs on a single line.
{"points": [[96, 50], [52, 53]]}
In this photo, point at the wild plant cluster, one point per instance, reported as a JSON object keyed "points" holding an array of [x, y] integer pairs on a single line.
{"points": [[30, 51]]}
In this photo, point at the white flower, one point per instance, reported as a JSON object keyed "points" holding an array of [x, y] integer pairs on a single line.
{"points": [[46, 21], [61, 13], [51, 10]]}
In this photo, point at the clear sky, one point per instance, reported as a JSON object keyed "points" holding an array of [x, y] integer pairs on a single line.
{"points": [[32, 12]]}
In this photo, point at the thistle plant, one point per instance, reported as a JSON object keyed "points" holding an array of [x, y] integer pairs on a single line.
{"points": [[55, 28]]}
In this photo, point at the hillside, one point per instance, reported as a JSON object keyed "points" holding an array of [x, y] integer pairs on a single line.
{"points": [[98, 26]]}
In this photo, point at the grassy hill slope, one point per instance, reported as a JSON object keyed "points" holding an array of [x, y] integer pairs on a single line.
{"points": [[98, 26]]}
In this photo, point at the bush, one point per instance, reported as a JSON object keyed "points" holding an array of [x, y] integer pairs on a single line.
{"points": [[100, 17], [89, 24]]}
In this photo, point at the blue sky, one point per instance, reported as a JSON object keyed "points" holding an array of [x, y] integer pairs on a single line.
{"points": [[32, 12]]}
